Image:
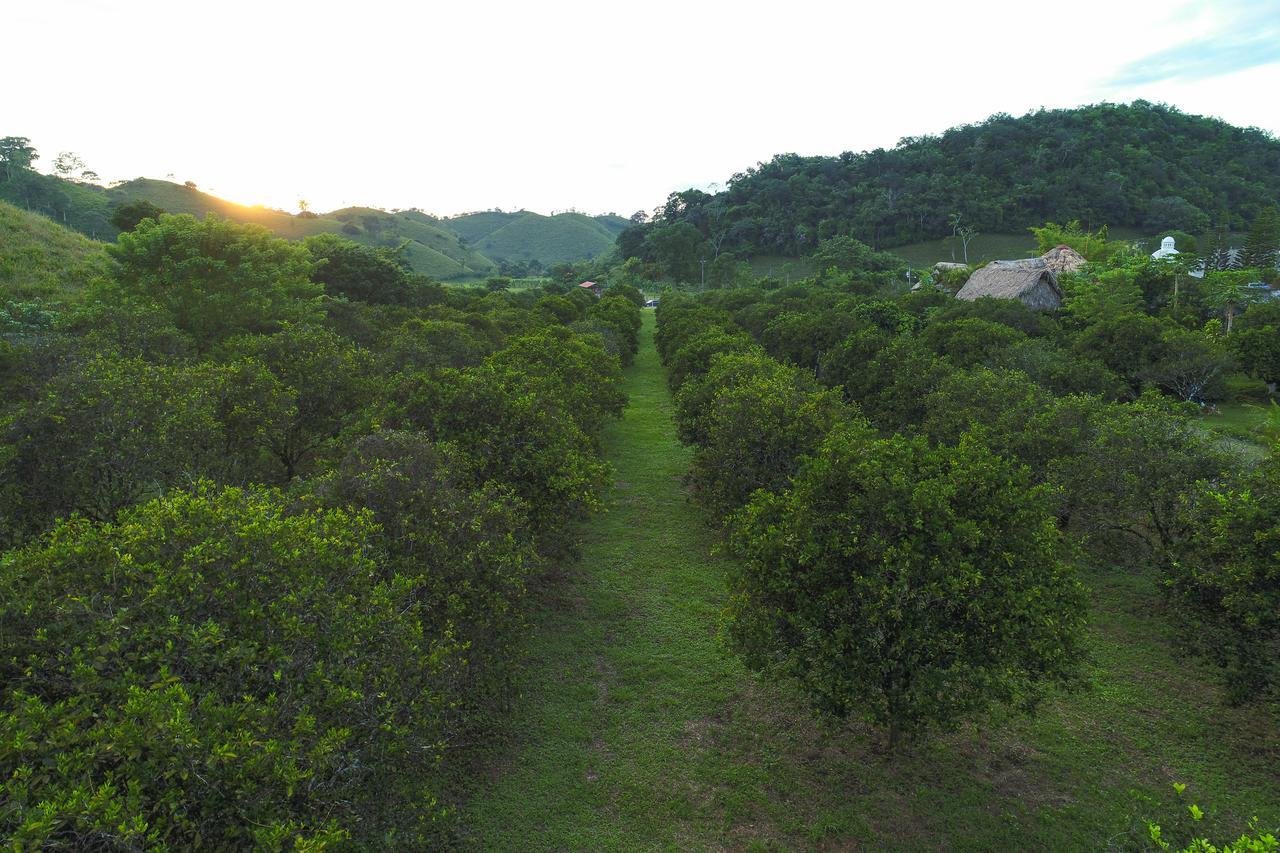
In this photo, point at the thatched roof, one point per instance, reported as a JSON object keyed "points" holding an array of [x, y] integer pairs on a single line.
{"points": [[1062, 259], [1029, 281]]}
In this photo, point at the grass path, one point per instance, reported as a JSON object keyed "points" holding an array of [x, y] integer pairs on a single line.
{"points": [[626, 661], [634, 730]]}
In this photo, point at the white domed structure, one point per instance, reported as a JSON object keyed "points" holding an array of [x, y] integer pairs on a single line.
{"points": [[1166, 250]]}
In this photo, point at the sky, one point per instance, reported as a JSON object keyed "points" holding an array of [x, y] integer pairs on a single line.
{"points": [[595, 106]]}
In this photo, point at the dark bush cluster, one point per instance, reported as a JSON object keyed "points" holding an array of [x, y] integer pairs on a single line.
{"points": [[271, 513]]}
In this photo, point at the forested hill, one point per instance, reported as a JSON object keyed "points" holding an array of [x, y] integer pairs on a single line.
{"points": [[1139, 165]]}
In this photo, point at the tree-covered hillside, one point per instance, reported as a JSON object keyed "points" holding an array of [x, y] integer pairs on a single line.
{"points": [[1139, 165]]}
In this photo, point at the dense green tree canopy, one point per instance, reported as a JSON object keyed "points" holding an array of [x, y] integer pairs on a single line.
{"points": [[218, 278], [1139, 165], [908, 585], [215, 668], [1226, 579]]}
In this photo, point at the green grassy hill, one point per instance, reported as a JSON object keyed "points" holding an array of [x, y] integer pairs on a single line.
{"points": [[525, 236], [39, 257], [550, 239], [473, 227], [614, 224]]}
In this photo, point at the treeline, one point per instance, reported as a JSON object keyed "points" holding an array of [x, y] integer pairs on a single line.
{"points": [[1139, 165], [272, 510], [911, 481]]}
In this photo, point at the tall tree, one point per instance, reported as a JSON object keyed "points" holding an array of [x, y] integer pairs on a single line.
{"points": [[16, 154], [1226, 580], [1262, 248], [1217, 247], [66, 164]]}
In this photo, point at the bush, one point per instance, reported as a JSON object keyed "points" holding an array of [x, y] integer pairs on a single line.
{"points": [[1225, 581], [216, 669], [908, 585], [217, 278], [101, 436], [756, 430], [466, 542]]}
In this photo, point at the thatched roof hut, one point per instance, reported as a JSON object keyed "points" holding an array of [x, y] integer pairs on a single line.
{"points": [[1031, 282], [1062, 259]]}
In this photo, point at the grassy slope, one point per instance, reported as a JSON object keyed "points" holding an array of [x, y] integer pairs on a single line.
{"points": [[476, 226], [83, 207], [615, 225], [564, 237], [1239, 426], [635, 731], [38, 257]]}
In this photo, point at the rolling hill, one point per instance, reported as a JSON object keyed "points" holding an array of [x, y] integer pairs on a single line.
{"points": [[431, 250], [525, 236], [40, 258], [1140, 166], [463, 247]]}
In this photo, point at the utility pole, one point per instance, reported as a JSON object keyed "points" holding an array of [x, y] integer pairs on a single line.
{"points": [[704, 273]]}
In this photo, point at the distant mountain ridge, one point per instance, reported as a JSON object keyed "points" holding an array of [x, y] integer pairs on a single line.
{"points": [[468, 246]]}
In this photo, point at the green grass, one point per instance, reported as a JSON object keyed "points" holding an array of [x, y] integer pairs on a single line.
{"points": [[634, 730], [1238, 425], [476, 226], [522, 235], [1240, 420], [40, 258]]}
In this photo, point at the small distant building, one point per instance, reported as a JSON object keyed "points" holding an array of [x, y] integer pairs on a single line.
{"points": [[592, 286], [1167, 249], [1032, 281], [1035, 286]]}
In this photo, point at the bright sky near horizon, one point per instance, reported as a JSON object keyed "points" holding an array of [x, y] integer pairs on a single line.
{"points": [[567, 103]]}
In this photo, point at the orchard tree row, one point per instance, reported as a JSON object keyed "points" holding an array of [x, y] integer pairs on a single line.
{"points": [[271, 512], [912, 482]]}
